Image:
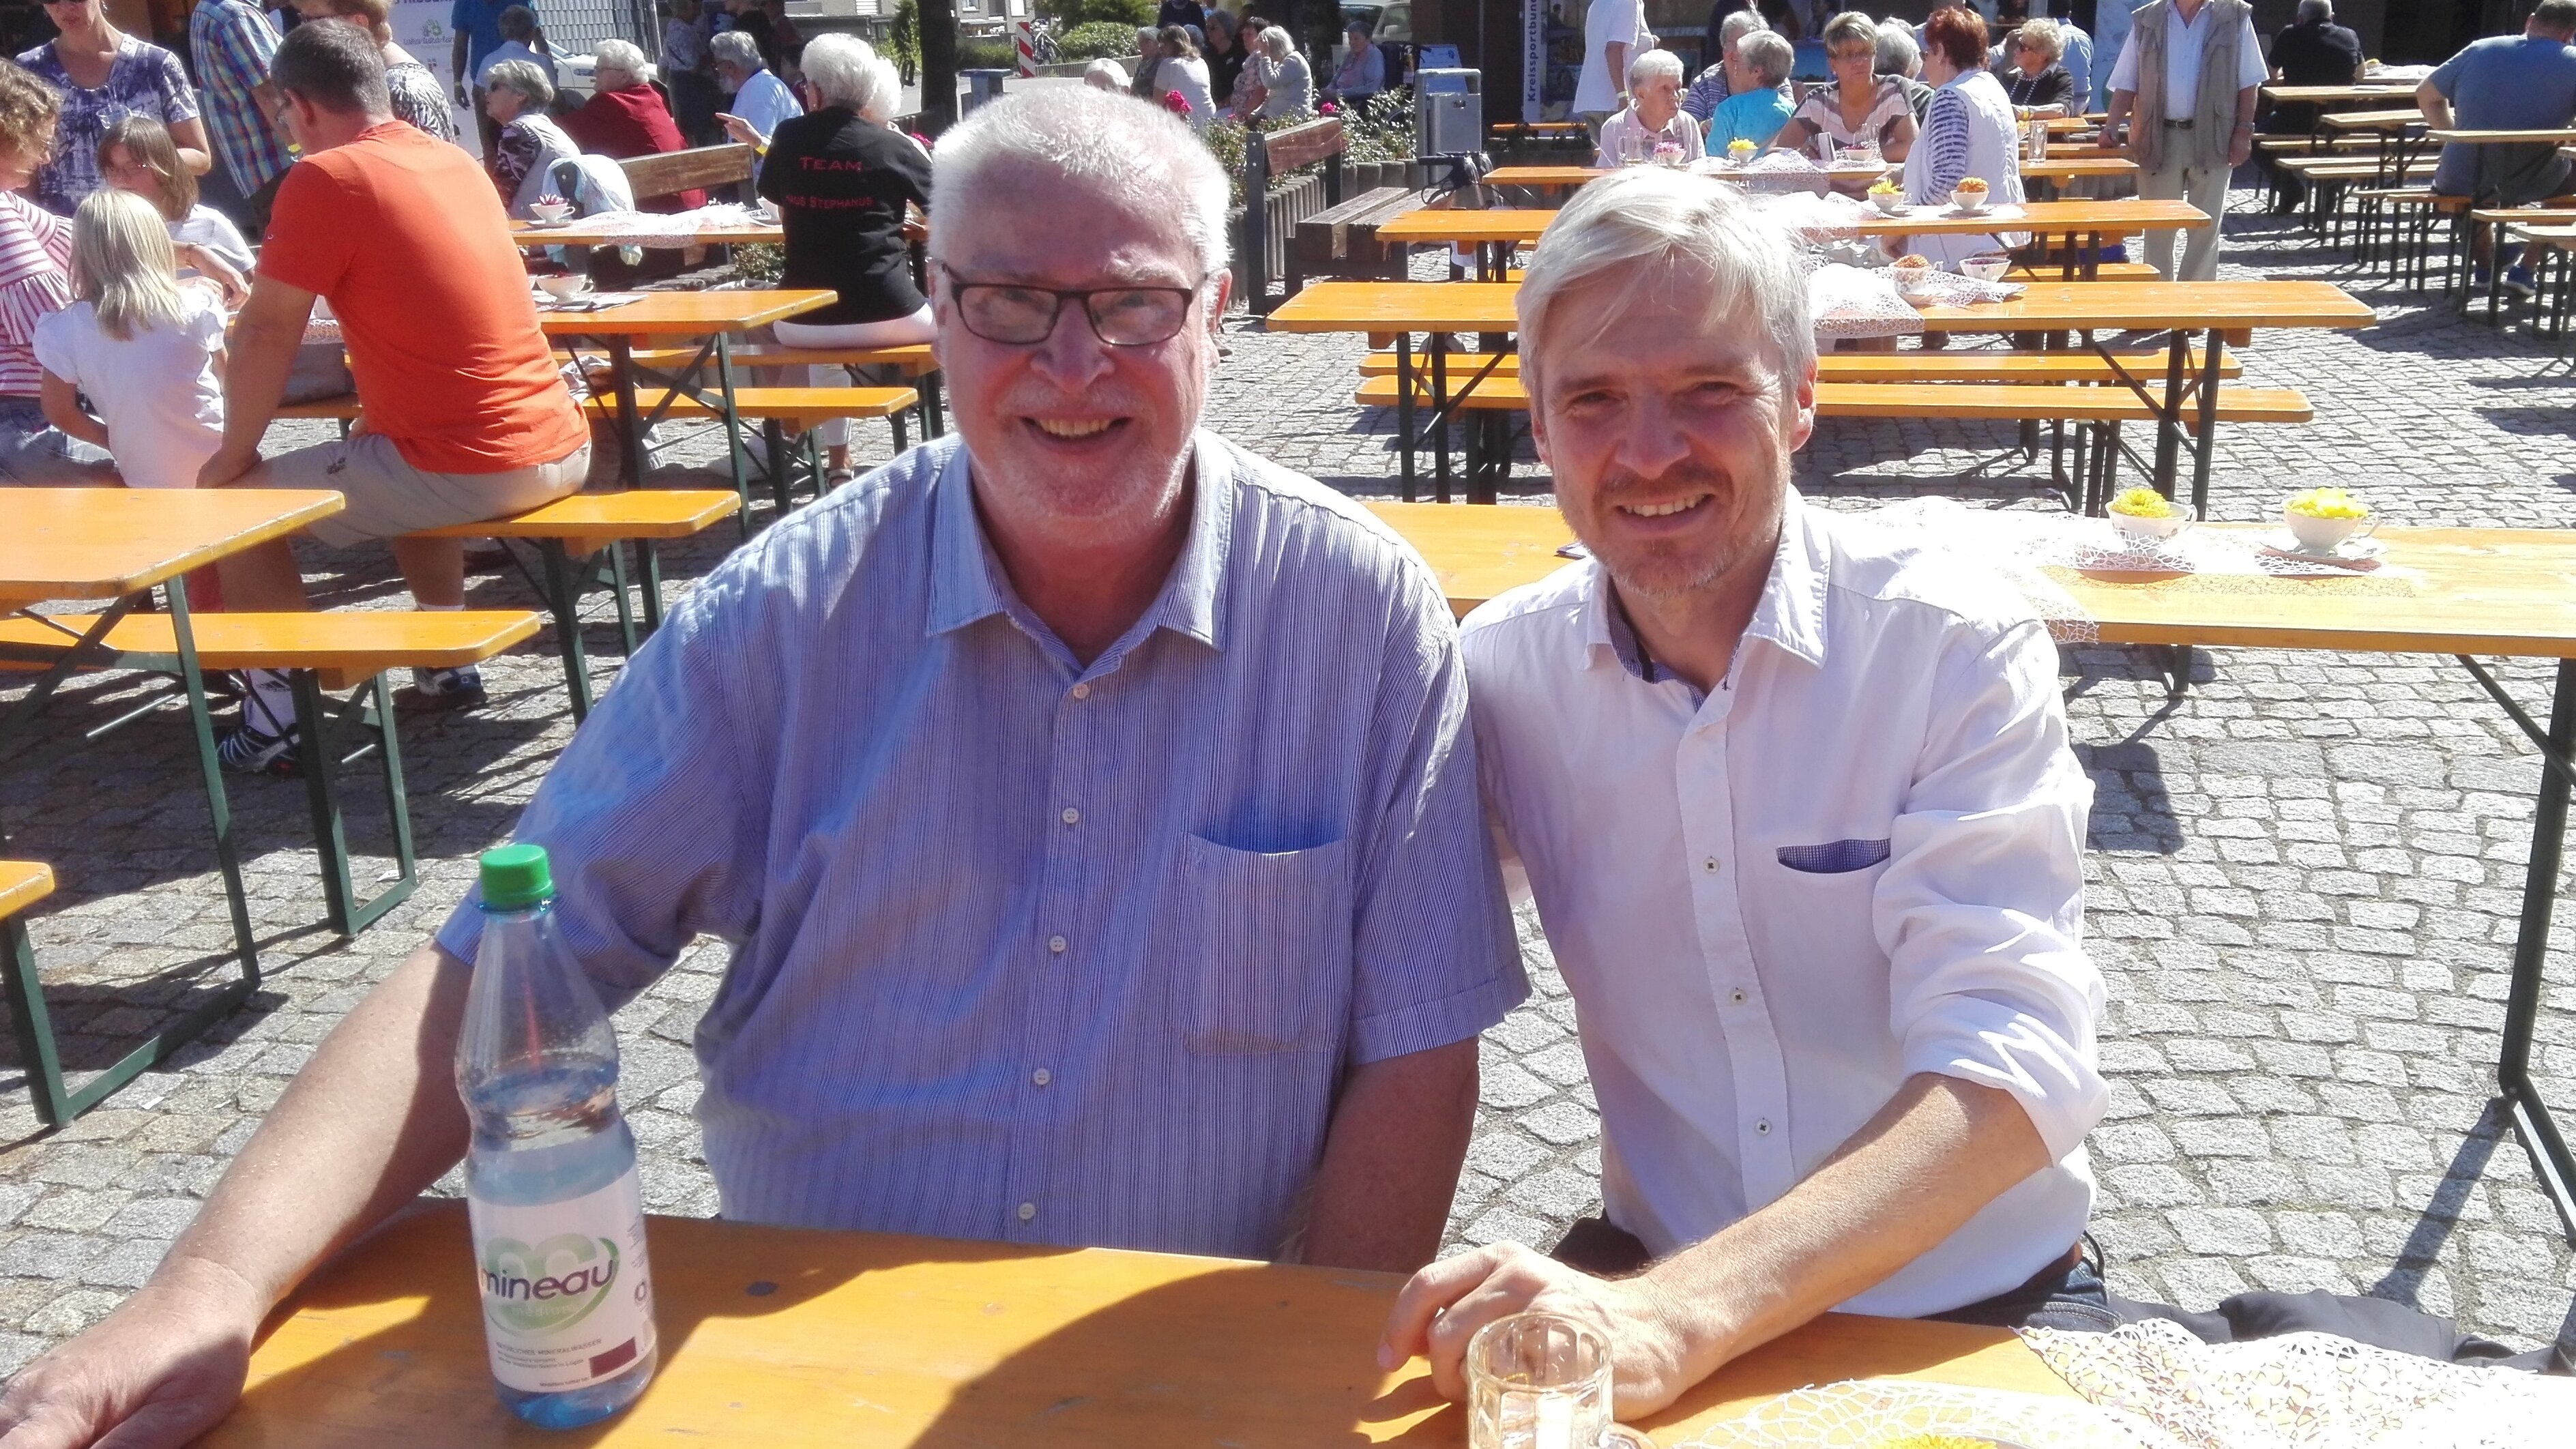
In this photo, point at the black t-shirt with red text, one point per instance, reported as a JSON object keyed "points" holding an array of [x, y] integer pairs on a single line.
{"points": [[840, 184]]}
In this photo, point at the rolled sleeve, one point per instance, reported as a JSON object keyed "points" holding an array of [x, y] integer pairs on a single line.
{"points": [[2249, 57], [652, 818], [1435, 959], [1980, 910], [2124, 71]]}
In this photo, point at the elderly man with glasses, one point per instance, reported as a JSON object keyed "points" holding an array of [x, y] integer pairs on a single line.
{"points": [[1089, 807]]}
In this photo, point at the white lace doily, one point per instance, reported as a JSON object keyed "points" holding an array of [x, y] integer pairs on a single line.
{"points": [[2305, 1391], [1865, 1413], [1848, 301]]}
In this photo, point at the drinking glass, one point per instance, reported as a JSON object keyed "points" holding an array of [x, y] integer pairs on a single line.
{"points": [[1539, 1381]]}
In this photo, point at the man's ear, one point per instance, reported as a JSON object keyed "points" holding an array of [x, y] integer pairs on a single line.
{"points": [[1802, 398]]}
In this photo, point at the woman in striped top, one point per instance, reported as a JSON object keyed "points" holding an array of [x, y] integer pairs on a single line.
{"points": [[35, 282]]}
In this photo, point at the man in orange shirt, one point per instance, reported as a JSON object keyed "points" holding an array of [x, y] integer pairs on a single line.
{"points": [[467, 417]]}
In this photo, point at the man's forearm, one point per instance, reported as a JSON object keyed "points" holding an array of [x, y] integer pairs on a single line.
{"points": [[2435, 106], [263, 355], [1391, 1159], [2248, 100], [371, 1121], [1935, 1155]]}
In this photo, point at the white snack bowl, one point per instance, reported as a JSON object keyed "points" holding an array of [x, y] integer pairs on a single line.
{"points": [[1986, 269], [2324, 535], [2155, 530], [564, 288], [550, 210]]}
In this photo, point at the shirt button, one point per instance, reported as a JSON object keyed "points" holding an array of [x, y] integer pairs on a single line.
{"points": [[1082, 691], [1762, 1128], [1072, 816], [1057, 944], [1028, 1210], [1041, 1076], [1736, 996], [1709, 865]]}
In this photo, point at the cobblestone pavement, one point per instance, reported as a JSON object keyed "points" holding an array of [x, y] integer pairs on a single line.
{"points": [[2306, 876]]}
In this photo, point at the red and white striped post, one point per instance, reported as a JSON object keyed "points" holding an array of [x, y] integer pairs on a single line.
{"points": [[1024, 31]]}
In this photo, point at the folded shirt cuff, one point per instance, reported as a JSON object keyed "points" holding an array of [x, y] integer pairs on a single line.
{"points": [[1429, 1024], [1994, 1045]]}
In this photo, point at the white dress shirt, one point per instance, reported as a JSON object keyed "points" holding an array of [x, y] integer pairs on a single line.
{"points": [[2184, 42], [1859, 858]]}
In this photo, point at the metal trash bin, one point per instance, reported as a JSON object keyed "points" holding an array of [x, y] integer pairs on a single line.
{"points": [[982, 86]]}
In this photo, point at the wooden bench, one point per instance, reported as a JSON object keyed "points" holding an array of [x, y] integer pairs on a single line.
{"points": [[701, 168], [915, 363], [1266, 239], [2099, 408], [573, 533], [1954, 365], [2102, 272], [320, 653], [1341, 241]]}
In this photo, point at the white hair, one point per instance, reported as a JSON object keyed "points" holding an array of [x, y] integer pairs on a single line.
{"points": [[1737, 26], [1106, 75], [1139, 154], [843, 70], [1642, 224], [1653, 65], [734, 47], [2312, 11], [1769, 55], [524, 77], [2042, 35], [1281, 48], [889, 92], [1897, 52], [622, 55]]}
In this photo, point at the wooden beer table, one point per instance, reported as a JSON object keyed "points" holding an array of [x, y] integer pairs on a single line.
{"points": [[2056, 171], [773, 1338], [2176, 309], [2457, 591], [112, 545], [533, 234], [712, 315], [2343, 95], [1566, 178], [2082, 225]]}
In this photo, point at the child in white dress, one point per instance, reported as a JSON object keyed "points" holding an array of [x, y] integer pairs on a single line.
{"points": [[146, 350]]}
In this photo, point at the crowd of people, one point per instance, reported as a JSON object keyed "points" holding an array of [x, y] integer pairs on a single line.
{"points": [[1225, 66]]}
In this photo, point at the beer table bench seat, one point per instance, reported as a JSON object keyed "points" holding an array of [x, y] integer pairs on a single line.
{"points": [[772, 1338], [2465, 592]]}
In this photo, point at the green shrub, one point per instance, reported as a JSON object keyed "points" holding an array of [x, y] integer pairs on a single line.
{"points": [[984, 53], [1096, 39], [1129, 13]]}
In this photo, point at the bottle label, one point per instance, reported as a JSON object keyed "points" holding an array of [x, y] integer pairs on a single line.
{"points": [[567, 1297]]}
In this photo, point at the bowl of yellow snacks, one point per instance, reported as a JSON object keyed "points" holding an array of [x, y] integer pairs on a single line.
{"points": [[2144, 515], [1740, 151], [2324, 519], [1889, 198]]}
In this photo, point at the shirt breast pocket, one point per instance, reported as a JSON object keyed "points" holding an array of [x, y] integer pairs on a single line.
{"points": [[1256, 946], [1834, 857]]}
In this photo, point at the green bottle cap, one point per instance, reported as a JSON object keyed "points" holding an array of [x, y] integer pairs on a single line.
{"points": [[516, 876]]}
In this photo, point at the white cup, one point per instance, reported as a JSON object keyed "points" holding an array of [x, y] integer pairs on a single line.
{"points": [[1986, 269], [2324, 535], [550, 210], [564, 288], [2151, 530]]}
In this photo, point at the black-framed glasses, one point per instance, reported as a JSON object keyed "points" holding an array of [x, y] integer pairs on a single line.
{"points": [[1023, 316]]}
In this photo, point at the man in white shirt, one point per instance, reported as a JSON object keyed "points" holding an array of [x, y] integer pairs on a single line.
{"points": [[1796, 803], [2197, 126], [1614, 32]]}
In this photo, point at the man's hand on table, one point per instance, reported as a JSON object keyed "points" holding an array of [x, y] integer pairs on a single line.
{"points": [[1447, 1302], [226, 465], [165, 1367]]}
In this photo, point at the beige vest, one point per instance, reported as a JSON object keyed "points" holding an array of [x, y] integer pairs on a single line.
{"points": [[2213, 112]]}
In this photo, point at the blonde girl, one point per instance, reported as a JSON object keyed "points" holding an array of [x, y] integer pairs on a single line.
{"points": [[145, 349]]}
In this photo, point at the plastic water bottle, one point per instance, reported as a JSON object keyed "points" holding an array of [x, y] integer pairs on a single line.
{"points": [[550, 1179]]}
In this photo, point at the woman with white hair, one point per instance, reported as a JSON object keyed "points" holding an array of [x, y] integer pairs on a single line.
{"points": [[1901, 60], [1717, 82], [1149, 59], [1653, 127], [1280, 81], [2032, 77], [841, 193], [522, 164], [1105, 74], [626, 117]]}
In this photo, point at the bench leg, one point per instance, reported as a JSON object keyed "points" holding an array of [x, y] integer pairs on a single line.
{"points": [[648, 555], [2169, 416], [900, 442], [933, 422], [564, 600], [733, 435], [2207, 442], [630, 436], [773, 438], [218, 803], [350, 915], [625, 608], [34, 1027], [1404, 410]]}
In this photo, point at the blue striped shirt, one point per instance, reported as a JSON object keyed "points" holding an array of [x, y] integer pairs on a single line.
{"points": [[1025, 950]]}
